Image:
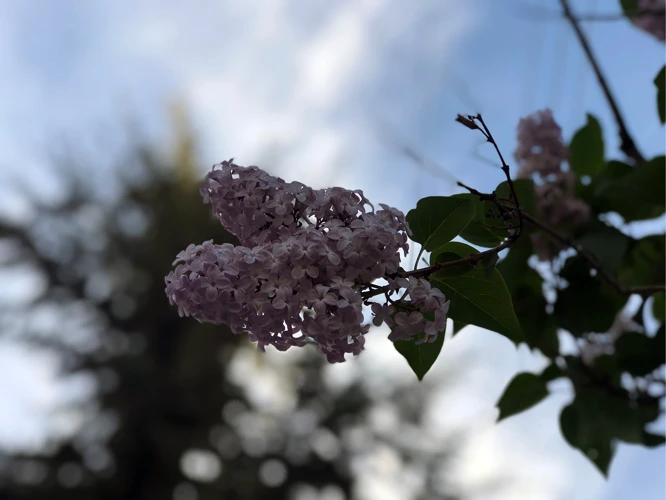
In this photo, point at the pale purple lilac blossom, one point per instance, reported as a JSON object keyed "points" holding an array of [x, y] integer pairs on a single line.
{"points": [[540, 154], [652, 21], [306, 258]]}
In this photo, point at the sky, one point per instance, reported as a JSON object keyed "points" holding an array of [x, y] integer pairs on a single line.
{"points": [[328, 93]]}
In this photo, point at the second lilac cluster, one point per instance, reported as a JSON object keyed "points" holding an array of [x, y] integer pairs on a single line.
{"points": [[540, 154], [651, 18], [541, 149]]}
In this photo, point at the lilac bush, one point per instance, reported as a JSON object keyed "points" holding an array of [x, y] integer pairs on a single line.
{"points": [[307, 257]]}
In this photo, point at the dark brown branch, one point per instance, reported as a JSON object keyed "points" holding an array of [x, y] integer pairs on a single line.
{"points": [[627, 144], [427, 271], [471, 122], [593, 263]]}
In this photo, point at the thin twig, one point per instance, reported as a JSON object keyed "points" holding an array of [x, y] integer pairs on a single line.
{"points": [[427, 271], [416, 261], [627, 145], [505, 169], [470, 121], [593, 263], [482, 196]]}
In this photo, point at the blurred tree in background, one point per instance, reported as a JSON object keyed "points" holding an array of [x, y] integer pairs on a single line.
{"points": [[179, 409]]}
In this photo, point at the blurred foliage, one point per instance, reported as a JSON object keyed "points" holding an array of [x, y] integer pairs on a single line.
{"points": [[181, 410], [592, 291]]}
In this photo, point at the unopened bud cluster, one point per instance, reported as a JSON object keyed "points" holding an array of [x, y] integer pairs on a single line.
{"points": [[306, 258], [540, 154]]}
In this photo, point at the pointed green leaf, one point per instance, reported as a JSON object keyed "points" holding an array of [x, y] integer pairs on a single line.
{"points": [[606, 243], [539, 327], [580, 434], [457, 326], [659, 307], [524, 189], [639, 354], [489, 262], [645, 262], [436, 220], [629, 7], [660, 83], [420, 356], [586, 151], [587, 304], [453, 251], [481, 231], [478, 299], [551, 372], [652, 440], [635, 193], [514, 266], [522, 393]]}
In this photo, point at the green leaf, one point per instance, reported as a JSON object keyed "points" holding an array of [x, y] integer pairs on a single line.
{"points": [[659, 307], [603, 412], [551, 372], [522, 393], [436, 220], [453, 251], [539, 327], [480, 300], [457, 326], [586, 151], [605, 368], [581, 433], [652, 440], [524, 189], [480, 230], [606, 243], [635, 193], [634, 353], [514, 265], [587, 304], [629, 7], [645, 263], [612, 171], [639, 354], [488, 263], [660, 83], [420, 356], [609, 173], [616, 417]]}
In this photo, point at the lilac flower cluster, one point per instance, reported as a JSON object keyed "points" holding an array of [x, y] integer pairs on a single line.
{"points": [[306, 258], [651, 19], [541, 149], [540, 154], [408, 318]]}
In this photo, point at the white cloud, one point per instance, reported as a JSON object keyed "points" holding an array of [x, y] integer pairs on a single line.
{"points": [[294, 76], [27, 395], [330, 63]]}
